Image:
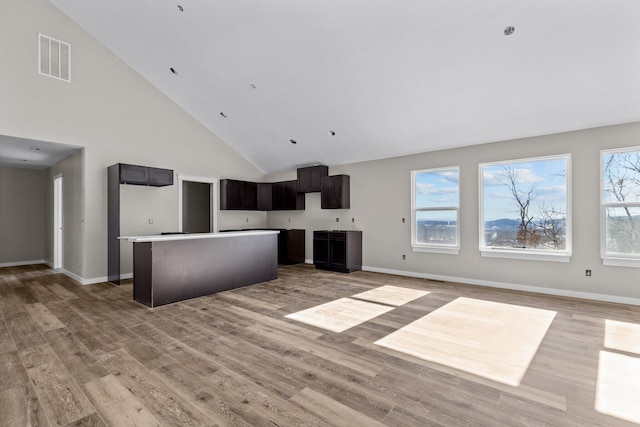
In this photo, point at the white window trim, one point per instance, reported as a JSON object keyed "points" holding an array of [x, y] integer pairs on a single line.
{"points": [[433, 248], [614, 260], [526, 254], [52, 39]]}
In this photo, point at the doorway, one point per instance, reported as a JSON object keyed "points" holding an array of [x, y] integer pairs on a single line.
{"points": [[57, 222], [197, 205]]}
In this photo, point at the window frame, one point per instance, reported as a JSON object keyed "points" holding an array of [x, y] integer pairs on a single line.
{"points": [[526, 254], [431, 247], [617, 260]]}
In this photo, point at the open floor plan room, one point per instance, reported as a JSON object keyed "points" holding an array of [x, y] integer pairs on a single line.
{"points": [[407, 352]]}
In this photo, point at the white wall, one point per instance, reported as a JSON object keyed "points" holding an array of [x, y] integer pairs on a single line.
{"points": [[381, 197], [117, 116], [22, 215], [72, 171]]}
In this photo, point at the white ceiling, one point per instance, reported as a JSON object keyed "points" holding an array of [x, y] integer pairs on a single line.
{"points": [[32, 154], [388, 77]]}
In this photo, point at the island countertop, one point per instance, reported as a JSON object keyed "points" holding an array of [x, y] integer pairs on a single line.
{"points": [[194, 236]]}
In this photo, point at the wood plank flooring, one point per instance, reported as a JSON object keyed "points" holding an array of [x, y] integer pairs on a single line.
{"points": [[73, 355]]}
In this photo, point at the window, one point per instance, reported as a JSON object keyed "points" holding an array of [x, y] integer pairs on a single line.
{"points": [[621, 207], [54, 58], [435, 202], [525, 209]]}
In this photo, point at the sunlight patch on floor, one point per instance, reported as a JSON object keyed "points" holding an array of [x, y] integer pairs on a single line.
{"points": [[391, 295], [340, 315], [618, 388], [622, 336], [493, 340]]}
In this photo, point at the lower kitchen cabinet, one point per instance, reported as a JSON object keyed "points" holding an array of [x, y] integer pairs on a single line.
{"points": [[338, 250], [291, 246]]}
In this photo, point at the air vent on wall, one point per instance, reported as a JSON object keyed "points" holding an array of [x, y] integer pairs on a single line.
{"points": [[54, 58]]}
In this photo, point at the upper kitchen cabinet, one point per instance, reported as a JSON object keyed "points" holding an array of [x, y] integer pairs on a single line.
{"points": [[335, 193], [285, 196], [309, 179], [160, 177], [238, 195], [143, 175], [265, 196]]}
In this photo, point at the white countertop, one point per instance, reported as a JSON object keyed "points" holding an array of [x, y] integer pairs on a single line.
{"points": [[169, 237]]}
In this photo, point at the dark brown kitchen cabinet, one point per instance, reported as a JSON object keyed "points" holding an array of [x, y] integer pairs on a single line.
{"points": [[285, 196], [144, 175], [160, 177], [291, 246], [238, 195], [338, 250], [265, 196], [122, 173], [335, 192], [309, 178]]}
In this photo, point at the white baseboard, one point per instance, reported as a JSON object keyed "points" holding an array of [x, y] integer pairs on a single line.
{"points": [[511, 286], [95, 280], [21, 263]]}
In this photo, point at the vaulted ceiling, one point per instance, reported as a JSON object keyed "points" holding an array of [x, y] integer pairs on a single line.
{"points": [[355, 80]]}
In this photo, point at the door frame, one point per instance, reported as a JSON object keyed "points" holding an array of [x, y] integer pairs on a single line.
{"points": [[213, 194], [58, 222]]}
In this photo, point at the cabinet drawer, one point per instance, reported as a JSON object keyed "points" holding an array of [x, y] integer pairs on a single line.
{"points": [[338, 236], [321, 235]]}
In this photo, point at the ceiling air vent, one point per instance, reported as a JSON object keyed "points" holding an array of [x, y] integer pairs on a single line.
{"points": [[54, 58]]}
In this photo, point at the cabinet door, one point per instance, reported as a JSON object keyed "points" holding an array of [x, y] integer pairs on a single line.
{"points": [[315, 177], [277, 196], [230, 194], [292, 199], [321, 248], [304, 180], [335, 193], [160, 177], [295, 246], [338, 250], [249, 195], [265, 197], [309, 178], [133, 174]]}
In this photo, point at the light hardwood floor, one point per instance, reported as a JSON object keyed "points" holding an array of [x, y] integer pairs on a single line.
{"points": [[89, 355]]}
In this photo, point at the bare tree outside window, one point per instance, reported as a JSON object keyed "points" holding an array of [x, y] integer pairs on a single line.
{"points": [[525, 205], [621, 201]]}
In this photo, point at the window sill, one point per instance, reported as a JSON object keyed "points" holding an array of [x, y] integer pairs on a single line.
{"points": [[621, 262], [451, 250], [530, 256]]}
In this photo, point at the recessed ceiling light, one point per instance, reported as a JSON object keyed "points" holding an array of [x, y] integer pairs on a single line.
{"points": [[24, 160], [293, 141], [253, 86], [34, 148], [509, 30], [332, 133], [223, 114], [180, 8], [174, 71]]}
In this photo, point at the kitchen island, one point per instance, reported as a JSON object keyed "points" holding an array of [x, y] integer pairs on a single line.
{"points": [[171, 268]]}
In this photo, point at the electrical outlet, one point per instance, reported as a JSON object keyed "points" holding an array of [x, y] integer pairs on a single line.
{"points": [[289, 219], [588, 273], [247, 219], [403, 221], [404, 256], [150, 220], [337, 219], [353, 220]]}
